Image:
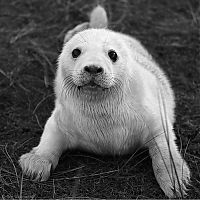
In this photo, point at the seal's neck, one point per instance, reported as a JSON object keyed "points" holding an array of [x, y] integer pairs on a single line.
{"points": [[98, 108]]}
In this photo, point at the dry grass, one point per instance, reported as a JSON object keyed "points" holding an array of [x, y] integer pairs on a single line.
{"points": [[31, 39]]}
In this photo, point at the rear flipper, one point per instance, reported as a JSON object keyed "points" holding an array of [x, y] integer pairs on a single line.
{"points": [[98, 19]]}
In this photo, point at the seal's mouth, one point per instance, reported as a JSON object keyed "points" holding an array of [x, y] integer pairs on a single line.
{"points": [[91, 86]]}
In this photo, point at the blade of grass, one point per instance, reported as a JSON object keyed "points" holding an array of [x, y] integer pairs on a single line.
{"points": [[165, 123], [11, 161]]}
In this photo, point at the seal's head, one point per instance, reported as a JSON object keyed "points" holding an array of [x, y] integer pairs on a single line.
{"points": [[93, 64]]}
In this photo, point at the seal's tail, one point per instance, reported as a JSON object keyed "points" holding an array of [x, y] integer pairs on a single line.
{"points": [[98, 18]]}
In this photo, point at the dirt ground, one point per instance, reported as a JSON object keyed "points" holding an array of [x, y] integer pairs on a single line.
{"points": [[31, 36]]}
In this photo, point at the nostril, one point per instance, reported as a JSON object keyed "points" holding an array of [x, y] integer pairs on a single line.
{"points": [[87, 69], [99, 70], [92, 69]]}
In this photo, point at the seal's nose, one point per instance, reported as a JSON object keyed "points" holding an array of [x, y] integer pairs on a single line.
{"points": [[93, 69]]}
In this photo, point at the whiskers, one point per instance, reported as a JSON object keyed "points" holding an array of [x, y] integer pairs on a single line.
{"points": [[68, 86], [111, 86], [116, 90]]}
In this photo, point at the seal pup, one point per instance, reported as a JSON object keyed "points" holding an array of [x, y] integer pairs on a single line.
{"points": [[111, 98]]}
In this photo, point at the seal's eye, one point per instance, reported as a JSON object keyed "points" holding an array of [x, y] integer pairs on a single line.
{"points": [[76, 53], [113, 55]]}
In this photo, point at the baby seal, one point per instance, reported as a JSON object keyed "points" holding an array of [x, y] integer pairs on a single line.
{"points": [[111, 98]]}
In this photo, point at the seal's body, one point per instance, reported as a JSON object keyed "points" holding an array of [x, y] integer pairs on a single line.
{"points": [[111, 97]]}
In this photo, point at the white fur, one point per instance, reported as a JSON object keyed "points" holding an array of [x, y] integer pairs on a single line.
{"points": [[113, 121]]}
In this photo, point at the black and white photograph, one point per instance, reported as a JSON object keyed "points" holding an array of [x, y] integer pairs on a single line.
{"points": [[99, 99]]}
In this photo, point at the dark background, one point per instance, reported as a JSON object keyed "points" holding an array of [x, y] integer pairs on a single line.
{"points": [[31, 36]]}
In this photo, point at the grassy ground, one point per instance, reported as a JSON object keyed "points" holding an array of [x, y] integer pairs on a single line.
{"points": [[31, 35]]}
